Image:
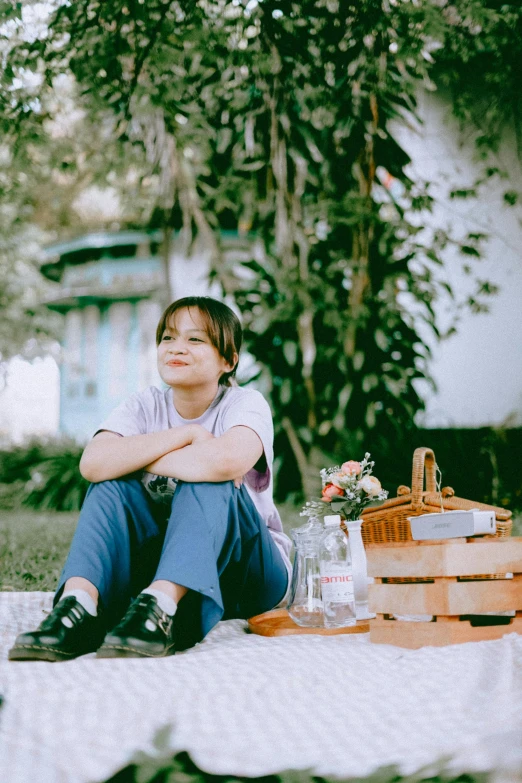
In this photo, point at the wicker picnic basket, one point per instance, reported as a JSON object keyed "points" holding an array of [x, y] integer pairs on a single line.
{"points": [[388, 522]]}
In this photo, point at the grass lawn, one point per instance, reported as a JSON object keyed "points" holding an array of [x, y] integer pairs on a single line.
{"points": [[34, 545], [33, 548]]}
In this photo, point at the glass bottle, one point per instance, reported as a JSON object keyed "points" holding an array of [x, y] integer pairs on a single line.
{"points": [[336, 576], [305, 605]]}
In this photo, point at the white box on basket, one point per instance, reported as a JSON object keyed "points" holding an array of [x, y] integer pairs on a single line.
{"points": [[452, 524]]}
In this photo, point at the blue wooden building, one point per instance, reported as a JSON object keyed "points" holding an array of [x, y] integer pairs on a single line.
{"points": [[110, 293]]}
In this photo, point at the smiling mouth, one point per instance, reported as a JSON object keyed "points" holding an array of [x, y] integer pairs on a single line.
{"points": [[177, 364]]}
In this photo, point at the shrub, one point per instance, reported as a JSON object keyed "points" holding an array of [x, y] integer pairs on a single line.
{"points": [[42, 475]]}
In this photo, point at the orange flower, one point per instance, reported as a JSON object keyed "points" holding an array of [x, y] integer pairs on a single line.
{"points": [[331, 491]]}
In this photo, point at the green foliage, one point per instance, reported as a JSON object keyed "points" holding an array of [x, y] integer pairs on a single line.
{"points": [[274, 119], [11, 495], [63, 169], [480, 66], [26, 328], [334, 299], [164, 767], [42, 475]]}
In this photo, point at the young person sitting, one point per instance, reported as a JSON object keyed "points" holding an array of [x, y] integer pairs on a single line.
{"points": [[179, 519]]}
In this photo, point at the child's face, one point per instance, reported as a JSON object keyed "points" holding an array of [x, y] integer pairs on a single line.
{"points": [[186, 357]]}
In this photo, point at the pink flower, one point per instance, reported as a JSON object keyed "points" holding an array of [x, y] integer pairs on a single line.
{"points": [[351, 468], [331, 491]]}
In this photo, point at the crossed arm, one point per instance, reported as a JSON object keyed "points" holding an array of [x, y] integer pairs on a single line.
{"points": [[189, 453]]}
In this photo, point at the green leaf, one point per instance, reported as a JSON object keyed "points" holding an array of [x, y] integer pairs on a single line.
{"points": [[370, 417], [290, 352], [511, 197], [369, 382], [10, 10], [463, 193], [285, 394], [381, 339], [162, 738], [358, 360], [324, 427], [470, 250], [337, 504]]}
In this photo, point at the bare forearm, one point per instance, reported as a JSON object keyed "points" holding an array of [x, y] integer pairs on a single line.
{"points": [[219, 459], [196, 462], [113, 457]]}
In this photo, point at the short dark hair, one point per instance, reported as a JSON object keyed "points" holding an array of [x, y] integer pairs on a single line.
{"points": [[221, 325]]}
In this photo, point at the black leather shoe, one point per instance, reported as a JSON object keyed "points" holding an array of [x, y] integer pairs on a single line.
{"points": [[144, 632], [67, 632]]}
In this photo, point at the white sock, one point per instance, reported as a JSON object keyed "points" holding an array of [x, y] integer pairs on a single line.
{"points": [[165, 602], [83, 598]]}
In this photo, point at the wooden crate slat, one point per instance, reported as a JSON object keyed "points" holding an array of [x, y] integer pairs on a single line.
{"points": [[448, 598], [415, 635], [491, 556]]}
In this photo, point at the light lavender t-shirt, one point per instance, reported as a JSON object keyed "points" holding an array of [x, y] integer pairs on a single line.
{"points": [[153, 410]]}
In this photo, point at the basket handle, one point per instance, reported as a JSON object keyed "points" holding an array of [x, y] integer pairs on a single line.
{"points": [[423, 461]]}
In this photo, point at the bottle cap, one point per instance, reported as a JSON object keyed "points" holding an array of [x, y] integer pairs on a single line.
{"points": [[332, 520]]}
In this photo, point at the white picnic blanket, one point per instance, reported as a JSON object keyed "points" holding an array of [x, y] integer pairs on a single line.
{"points": [[246, 705]]}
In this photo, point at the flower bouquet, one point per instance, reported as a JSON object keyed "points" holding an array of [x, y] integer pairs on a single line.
{"points": [[346, 491]]}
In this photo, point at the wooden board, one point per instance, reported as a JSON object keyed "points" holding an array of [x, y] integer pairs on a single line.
{"points": [[414, 635], [279, 623], [447, 597], [479, 556]]}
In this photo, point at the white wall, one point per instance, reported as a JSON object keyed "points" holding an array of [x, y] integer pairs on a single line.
{"points": [[478, 371], [189, 274], [29, 403]]}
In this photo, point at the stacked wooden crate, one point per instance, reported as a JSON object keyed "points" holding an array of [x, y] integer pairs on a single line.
{"points": [[448, 581]]}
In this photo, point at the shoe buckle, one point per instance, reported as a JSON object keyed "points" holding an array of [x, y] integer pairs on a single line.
{"points": [[164, 622]]}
